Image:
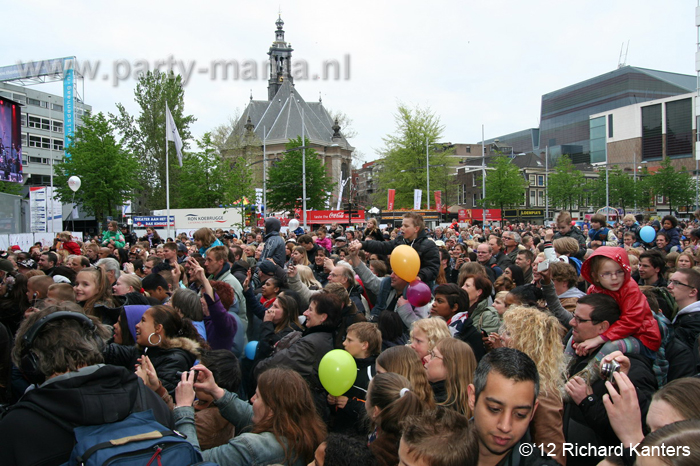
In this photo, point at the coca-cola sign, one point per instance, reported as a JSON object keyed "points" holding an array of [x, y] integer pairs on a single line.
{"points": [[332, 216]]}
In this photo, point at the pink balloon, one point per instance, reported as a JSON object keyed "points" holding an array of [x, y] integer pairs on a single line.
{"points": [[418, 293]]}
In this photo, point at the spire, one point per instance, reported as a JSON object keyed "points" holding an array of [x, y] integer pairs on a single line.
{"points": [[249, 125], [280, 61]]}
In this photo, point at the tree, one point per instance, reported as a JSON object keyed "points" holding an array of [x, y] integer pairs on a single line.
{"points": [[678, 187], [404, 156], [145, 135], [8, 187], [284, 185], [622, 191], [107, 171], [565, 184], [505, 185], [208, 179]]}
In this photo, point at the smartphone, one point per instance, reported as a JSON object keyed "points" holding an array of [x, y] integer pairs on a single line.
{"points": [[179, 375], [483, 333]]}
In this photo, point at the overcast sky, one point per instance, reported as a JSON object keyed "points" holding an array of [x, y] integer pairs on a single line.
{"points": [[471, 62]]}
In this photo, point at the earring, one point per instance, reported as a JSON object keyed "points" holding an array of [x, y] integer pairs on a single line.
{"points": [[159, 339]]}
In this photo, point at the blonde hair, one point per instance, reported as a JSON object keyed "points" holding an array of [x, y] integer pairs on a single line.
{"points": [[687, 254], [629, 217], [403, 360], [434, 329], [306, 276], [565, 246], [539, 336]]}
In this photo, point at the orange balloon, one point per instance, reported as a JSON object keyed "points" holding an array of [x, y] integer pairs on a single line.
{"points": [[405, 262]]}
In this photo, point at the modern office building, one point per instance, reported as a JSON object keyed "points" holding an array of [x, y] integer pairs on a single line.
{"points": [[564, 115], [42, 131]]}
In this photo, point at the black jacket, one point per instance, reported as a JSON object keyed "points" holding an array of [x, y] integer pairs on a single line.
{"points": [[179, 356], [687, 328], [578, 236], [350, 418], [424, 246], [94, 395], [471, 336]]}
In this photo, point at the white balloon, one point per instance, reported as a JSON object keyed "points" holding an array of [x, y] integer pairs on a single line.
{"points": [[74, 183], [293, 224]]}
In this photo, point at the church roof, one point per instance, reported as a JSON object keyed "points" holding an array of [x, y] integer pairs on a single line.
{"points": [[279, 120]]}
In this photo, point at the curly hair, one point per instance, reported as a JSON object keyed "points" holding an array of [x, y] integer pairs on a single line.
{"points": [[434, 329], [538, 335]]}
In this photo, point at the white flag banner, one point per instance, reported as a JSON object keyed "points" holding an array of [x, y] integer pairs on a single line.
{"points": [[417, 195], [171, 133]]}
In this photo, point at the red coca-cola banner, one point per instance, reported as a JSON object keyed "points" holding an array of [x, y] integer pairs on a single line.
{"points": [[438, 201], [478, 214], [390, 201], [332, 216]]}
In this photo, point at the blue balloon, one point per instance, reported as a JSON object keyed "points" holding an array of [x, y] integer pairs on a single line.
{"points": [[250, 349], [648, 234]]}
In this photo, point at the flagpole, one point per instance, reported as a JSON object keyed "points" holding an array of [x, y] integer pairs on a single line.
{"points": [[167, 177]]}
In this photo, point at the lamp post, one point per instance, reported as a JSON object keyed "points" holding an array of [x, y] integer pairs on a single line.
{"points": [[427, 167]]}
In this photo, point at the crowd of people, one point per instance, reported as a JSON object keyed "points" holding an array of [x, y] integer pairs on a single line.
{"points": [[541, 345]]}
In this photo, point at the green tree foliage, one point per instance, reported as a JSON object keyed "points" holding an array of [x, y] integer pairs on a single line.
{"points": [[678, 187], [144, 134], [404, 157], [284, 180], [209, 180], [9, 187], [565, 184], [623, 192], [106, 170], [505, 184]]}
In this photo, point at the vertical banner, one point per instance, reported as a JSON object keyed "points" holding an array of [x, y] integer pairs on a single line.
{"points": [[438, 201], [390, 201], [37, 207], [68, 114], [417, 196]]}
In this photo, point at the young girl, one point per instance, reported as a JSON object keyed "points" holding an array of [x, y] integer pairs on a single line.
{"points": [[93, 292], [608, 270], [322, 239]]}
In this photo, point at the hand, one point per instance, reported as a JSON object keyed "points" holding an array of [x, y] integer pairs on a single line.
{"points": [[494, 340], [328, 264], [589, 345], [578, 389], [401, 301], [621, 359], [292, 271], [248, 276], [205, 307], [341, 401], [355, 246], [623, 410], [548, 234], [545, 276], [147, 373], [331, 400], [206, 383], [176, 272], [184, 392], [269, 315], [196, 270], [128, 267]]}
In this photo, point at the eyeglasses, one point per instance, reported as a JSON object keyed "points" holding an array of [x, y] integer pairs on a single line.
{"points": [[580, 320], [432, 355], [676, 283], [610, 275]]}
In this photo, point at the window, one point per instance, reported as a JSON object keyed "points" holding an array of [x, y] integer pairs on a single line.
{"points": [[39, 160], [57, 107], [659, 199], [540, 198], [475, 200], [533, 199], [532, 180], [57, 144], [597, 139], [469, 149], [34, 141], [540, 180], [45, 124], [610, 125], [652, 139], [57, 126], [33, 102], [34, 122], [679, 128], [19, 98], [24, 139], [474, 180]]}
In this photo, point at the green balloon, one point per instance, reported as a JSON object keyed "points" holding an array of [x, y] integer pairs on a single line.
{"points": [[337, 371]]}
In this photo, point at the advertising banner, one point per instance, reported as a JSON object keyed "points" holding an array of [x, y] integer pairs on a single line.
{"points": [[390, 201], [438, 201], [153, 221], [417, 197], [332, 216]]}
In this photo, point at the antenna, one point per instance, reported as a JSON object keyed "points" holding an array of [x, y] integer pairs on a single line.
{"points": [[623, 58]]}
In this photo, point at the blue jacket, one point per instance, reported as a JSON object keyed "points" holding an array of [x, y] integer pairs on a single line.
{"points": [[674, 238]]}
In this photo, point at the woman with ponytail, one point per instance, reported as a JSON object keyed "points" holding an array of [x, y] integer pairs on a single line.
{"points": [[390, 399]]}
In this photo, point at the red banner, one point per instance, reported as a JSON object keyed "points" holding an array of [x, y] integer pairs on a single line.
{"points": [[390, 201], [478, 214], [438, 201], [332, 216]]}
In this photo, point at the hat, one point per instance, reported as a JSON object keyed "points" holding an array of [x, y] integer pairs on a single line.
{"points": [[341, 238], [181, 247], [27, 263], [439, 243], [6, 266], [267, 267], [15, 248]]}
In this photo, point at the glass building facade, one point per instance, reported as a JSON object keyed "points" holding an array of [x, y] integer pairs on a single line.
{"points": [[564, 121]]}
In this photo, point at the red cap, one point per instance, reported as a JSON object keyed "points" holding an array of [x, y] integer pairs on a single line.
{"points": [[15, 248]]}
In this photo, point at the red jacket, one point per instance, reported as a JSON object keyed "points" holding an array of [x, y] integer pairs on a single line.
{"points": [[72, 247], [636, 319]]}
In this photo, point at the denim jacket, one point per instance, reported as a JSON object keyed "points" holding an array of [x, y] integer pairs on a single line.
{"points": [[243, 450]]}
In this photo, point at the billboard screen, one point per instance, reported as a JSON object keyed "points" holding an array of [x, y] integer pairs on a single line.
{"points": [[10, 142]]}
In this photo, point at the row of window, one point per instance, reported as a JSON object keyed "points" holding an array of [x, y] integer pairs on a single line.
{"points": [[42, 123], [43, 143]]}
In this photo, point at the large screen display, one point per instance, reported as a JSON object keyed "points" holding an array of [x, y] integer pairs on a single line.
{"points": [[10, 142]]}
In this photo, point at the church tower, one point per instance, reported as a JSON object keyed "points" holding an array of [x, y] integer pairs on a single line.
{"points": [[280, 61]]}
